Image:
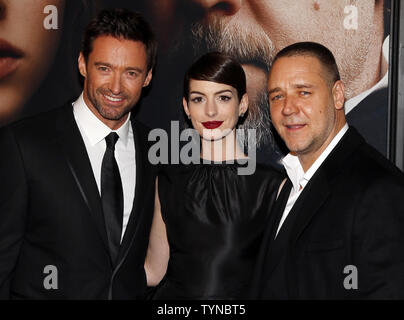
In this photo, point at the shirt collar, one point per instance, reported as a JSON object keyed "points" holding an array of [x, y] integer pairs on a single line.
{"points": [[294, 169], [94, 129]]}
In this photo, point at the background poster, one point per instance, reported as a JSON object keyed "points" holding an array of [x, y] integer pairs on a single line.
{"points": [[40, 39]]}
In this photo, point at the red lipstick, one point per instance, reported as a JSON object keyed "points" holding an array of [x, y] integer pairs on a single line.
{"points": [[9, 58], [212, 124]]}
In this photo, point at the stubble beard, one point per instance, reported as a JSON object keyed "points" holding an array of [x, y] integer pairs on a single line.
{"points": [[249, 48], [108, 113]]}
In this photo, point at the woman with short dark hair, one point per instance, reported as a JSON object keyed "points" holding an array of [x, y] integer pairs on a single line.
{"points": [[209, 219]]}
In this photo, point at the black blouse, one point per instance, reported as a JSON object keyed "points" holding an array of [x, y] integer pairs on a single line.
{"points": [[214, 219]]}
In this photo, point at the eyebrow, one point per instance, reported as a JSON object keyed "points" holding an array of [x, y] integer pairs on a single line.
{"points": [[106, 64], [219, 92], [302, 86], [295, 86], [274, 90]]}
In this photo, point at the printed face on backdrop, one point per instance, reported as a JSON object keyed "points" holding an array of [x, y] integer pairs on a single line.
{"points": [[306, 108], [214, 108], [27, 50], [253, 31], [114, 75]]}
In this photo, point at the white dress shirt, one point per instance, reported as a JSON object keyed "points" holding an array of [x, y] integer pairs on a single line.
{"points": [[94, 132], [299, 178]]}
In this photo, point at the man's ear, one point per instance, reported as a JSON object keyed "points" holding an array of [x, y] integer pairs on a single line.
{"points": [[82, 65], [338, 94], [243, 104], [148, 78], [185, 104]]}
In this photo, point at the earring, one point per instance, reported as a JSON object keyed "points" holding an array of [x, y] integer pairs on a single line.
{"points": [[189, 117], [241, 115]]}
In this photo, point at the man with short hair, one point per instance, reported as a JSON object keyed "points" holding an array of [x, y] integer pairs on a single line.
{"points": [[337, 225], [76, 186]]}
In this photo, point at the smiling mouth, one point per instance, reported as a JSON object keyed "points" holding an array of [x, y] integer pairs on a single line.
{"points": [[294, 126], [113, 100]]}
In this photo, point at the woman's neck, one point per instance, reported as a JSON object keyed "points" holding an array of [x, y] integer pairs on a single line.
{"points": [[224, 149]]}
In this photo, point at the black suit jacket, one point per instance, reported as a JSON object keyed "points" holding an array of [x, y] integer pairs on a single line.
{"points": [[51, 214], [370, 118], [350, 213]]}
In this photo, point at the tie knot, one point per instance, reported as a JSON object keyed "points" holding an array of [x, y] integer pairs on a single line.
{"points": [[111, 140]]}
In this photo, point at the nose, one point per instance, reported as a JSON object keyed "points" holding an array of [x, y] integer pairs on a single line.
{"points": [[115, 84], [226, 7], [289, 107], [211, 109]]}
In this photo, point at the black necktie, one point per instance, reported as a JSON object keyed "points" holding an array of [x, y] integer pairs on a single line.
{"points": [[112, 196]]}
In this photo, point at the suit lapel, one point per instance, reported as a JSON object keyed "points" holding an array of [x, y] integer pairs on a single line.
{"points": [[279, 207], [311, 199], [72, 145], [319, 187], [140, 187], [306, 207], [272, 253]]}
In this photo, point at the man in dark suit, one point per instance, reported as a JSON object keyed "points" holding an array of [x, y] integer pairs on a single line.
{"points": [[76, 186], [337, 229]]}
